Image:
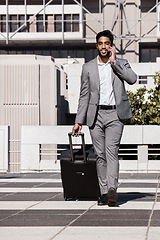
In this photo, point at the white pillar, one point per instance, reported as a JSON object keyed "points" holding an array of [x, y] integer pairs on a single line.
{"points": [[7, 30], [62, 21], [142, 157]]}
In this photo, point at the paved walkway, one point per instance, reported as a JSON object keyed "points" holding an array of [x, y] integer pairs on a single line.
{"points": [[32, 208]]}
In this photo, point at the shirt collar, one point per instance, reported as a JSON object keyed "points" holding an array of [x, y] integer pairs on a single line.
{"points": [[99, 63]]}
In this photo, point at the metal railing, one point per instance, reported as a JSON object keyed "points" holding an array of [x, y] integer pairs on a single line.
{"points": [[117, 20]]}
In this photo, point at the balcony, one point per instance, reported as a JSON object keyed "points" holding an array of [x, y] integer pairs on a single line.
{"points": [[36, 23]]}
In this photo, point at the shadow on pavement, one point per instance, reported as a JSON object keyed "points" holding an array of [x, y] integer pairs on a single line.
{"points": [[131, 196]]}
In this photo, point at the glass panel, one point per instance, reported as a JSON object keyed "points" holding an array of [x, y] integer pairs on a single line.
{"points": [[154, 54], [55, 53], [63, 53], [13, 2], [21, 52], [49, 23], [3, 23], [29, 52], [12, 52], [80, 53], [46, 52], [159, 52], [39, 21], [145, 55], [58, 23], [89, 54], [72, 53], [142, 80], [75, 25], [32, 24], [21, 22], [38, 52], [3, 52], [95, 53], [67, 24], [13, 23]]}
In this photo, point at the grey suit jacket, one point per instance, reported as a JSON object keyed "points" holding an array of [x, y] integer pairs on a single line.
{"points": [[89, 92]]}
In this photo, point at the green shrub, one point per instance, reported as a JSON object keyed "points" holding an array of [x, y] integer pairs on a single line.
{"points": [[145, 111]]}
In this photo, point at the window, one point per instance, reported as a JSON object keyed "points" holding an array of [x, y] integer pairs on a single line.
{"points": [[142, 80], [145, 55], [49, 23], [71, 23], [39, 23], [53, 23], [32, 24], [153, 54], [56, 52], [75, 23], [21, 22], [3, 23], [58, 23], [13, 23], [146, 5], [149, 53], [67, 23]]}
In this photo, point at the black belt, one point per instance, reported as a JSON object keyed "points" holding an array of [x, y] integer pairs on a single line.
{"points": [[106, 107]]}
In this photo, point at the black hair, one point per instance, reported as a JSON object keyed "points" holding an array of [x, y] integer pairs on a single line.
{"points": [[105, 33]]}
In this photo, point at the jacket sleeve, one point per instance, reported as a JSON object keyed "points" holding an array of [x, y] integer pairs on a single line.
{"points": [[84, 97], [124, 71]]}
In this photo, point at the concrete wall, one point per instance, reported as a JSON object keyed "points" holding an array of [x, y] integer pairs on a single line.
{"points": [[144, 69], [28, 96], [33, 136], [4, 143], [70, 90]]}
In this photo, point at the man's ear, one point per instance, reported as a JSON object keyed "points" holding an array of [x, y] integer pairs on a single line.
{"points": [[96, 45]]}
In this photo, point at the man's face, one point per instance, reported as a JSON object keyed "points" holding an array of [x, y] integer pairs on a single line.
{"points": [[103, 46]]}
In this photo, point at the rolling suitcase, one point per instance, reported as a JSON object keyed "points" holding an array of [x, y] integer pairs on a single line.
{"points": [[78, 172]]}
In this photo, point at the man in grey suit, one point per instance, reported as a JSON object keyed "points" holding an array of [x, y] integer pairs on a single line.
{"points": [[104, 104]]}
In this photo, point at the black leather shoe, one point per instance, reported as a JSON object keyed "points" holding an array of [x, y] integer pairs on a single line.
{"points": [[112, 197], [103, 200]]}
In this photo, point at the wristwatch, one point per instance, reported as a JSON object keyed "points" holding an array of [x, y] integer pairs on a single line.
{"points": [[114, 62]]}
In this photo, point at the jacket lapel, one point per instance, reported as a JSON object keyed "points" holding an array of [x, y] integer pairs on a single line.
{"points": [[112, 77], [95, 72]]}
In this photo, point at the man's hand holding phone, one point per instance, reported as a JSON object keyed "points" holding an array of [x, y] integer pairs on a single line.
{"points": [[112, 54]]}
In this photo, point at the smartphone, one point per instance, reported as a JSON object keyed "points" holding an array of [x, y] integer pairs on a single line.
{"points": [[109, 53]]}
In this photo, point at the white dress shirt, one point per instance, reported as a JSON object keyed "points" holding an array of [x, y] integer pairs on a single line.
{"points": [[106, 96]]}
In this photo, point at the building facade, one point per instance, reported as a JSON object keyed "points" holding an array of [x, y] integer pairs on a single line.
{"points": [[63, 28]]}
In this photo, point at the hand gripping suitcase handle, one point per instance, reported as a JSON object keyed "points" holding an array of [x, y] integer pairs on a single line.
{"points": [[71, 145]]}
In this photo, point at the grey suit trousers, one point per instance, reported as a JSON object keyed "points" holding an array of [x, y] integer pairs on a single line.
{"points": [[106, 135]]}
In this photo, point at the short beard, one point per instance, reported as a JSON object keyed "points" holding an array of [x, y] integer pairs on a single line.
{"points": [[106, 56]]}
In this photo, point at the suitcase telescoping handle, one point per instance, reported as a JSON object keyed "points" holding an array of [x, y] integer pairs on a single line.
{"points": [[71, 145]]}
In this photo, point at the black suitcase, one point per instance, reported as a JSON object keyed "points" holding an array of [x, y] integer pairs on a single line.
{"points": [[78, 172]]}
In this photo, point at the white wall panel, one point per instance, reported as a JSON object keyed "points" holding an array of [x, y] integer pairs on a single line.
{"points": [[33, 136], [4, 132], [28, 97]]}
